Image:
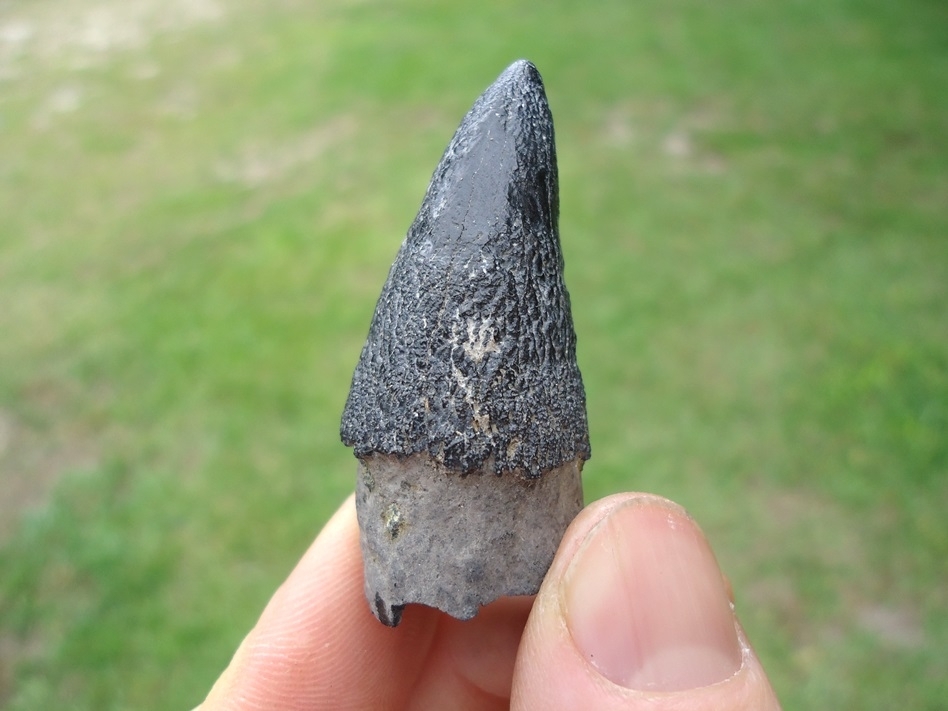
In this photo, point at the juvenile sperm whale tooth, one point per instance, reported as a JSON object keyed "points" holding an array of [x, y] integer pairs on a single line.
{"points": [[467, 410]]}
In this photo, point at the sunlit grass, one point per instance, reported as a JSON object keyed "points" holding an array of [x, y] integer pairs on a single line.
{"points": [[196, 217]]}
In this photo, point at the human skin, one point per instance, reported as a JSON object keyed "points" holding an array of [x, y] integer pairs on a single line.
{"points": [[633, 614]]}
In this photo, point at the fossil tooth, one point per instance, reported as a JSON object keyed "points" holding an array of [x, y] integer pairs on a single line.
{"points": [[467, 410]]}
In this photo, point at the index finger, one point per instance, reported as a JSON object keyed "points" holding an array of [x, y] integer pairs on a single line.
{"points": [[316, 645]]}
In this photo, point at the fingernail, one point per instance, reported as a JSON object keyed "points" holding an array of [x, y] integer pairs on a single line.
{"points": [[646, 603]]}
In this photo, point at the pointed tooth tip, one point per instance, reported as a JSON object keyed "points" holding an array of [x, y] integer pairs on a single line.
{"points": [[522, 66], [519, 90], [521, 71]]}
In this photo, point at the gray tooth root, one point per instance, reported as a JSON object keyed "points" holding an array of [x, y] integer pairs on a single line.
{"points": [[467, 409]]}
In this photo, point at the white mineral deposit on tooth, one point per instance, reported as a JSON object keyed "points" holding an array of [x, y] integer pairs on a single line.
{"points": [[467, 410]]}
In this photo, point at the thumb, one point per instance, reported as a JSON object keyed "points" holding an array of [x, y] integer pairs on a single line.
{"points": [[635, 614]]}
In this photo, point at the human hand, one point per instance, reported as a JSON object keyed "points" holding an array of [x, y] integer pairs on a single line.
{"points": [[633, 614]]}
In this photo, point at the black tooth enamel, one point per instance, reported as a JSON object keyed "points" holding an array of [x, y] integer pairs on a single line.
{"points": [[471, 354]]}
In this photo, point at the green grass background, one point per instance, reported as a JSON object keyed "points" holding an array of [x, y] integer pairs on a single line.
{"points": [[199, 202]]}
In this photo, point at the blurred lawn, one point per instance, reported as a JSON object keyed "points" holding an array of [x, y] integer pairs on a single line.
{"points": [[199, 202]]}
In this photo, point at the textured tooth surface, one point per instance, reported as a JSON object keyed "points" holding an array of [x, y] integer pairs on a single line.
{"points": [[471, 354]]}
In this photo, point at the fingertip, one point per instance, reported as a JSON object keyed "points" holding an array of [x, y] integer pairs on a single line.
{"points": [[635, 613]]}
